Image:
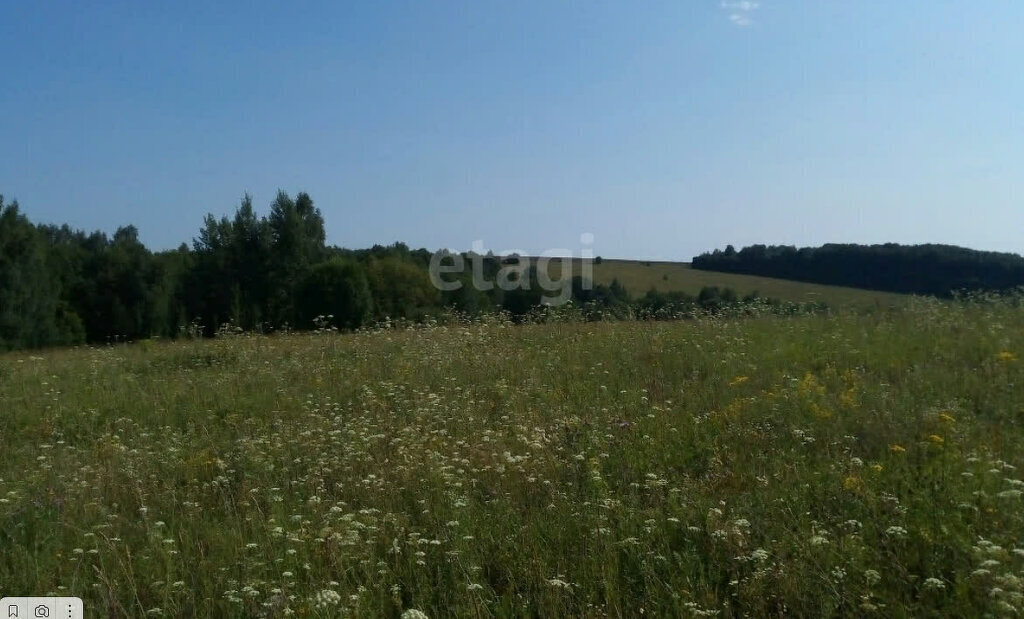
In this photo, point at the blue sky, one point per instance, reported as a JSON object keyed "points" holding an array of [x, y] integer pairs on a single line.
{"points": [[662, 128]]}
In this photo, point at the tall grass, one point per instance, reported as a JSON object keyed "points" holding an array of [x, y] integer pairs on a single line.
{"points": [[814, 465]]}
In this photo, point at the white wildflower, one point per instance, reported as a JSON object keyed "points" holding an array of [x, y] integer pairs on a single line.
{"points": [[326, 598], [933, 584]]}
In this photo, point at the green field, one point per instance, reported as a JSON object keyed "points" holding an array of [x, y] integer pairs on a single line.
{"points": [[638, 277], [861, 465]]}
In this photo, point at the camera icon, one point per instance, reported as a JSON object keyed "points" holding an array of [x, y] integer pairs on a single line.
{"points": [[41, 611]]}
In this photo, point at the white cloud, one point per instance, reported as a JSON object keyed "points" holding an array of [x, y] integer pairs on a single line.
{"points": [[740, 11], [740, 19]]}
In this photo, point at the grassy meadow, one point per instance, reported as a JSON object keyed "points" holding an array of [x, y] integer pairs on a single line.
{"points": [[639, 276], [847, 464]]}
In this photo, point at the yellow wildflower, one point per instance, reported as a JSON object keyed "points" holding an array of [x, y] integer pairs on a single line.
{"points": [[821, 413], [739, 380], [1006, 357], [810, 385], [947, 418], [935, 438], [876, 468], [852, 483], [898, 449]]}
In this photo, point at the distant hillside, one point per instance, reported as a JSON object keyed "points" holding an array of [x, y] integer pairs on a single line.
{"points": [[919, 269], [640, 276]]}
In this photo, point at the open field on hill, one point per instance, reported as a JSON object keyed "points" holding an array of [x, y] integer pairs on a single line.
{"points": [[638, 277], [862, 465]]}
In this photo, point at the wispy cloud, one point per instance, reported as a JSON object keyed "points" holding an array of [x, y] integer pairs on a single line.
{"points": [[740, 11]]}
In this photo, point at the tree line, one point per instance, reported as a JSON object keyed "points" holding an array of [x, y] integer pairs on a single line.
{"points": [[62, 286], [939, 270]]}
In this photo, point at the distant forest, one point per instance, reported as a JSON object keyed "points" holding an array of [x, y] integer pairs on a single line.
{"points": [[60, 286], [939, 270]]}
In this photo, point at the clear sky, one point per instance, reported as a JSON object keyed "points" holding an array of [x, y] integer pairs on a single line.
{"points": [[662, 128]]}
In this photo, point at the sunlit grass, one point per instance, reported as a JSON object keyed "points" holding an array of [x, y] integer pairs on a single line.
{"points": [[857, 465], [638, 277]]}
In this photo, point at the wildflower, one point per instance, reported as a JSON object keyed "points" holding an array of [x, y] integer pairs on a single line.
{"points": [[935, 438], [947, 418], [818, 540], [474, 587], [876, 468], [1006, 357], [1006, 607], [897, 532], [1010, 581], [872, 577], [326, 598], [898, 449], [933, 584], [413, 613], [852, 483], [739, 380]]}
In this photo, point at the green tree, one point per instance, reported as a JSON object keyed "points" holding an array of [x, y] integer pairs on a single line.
{"points": [[401, 289], [29, 299], [250, 259], [297, 233], [115, 292], [338, 288], [210, 289]]}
